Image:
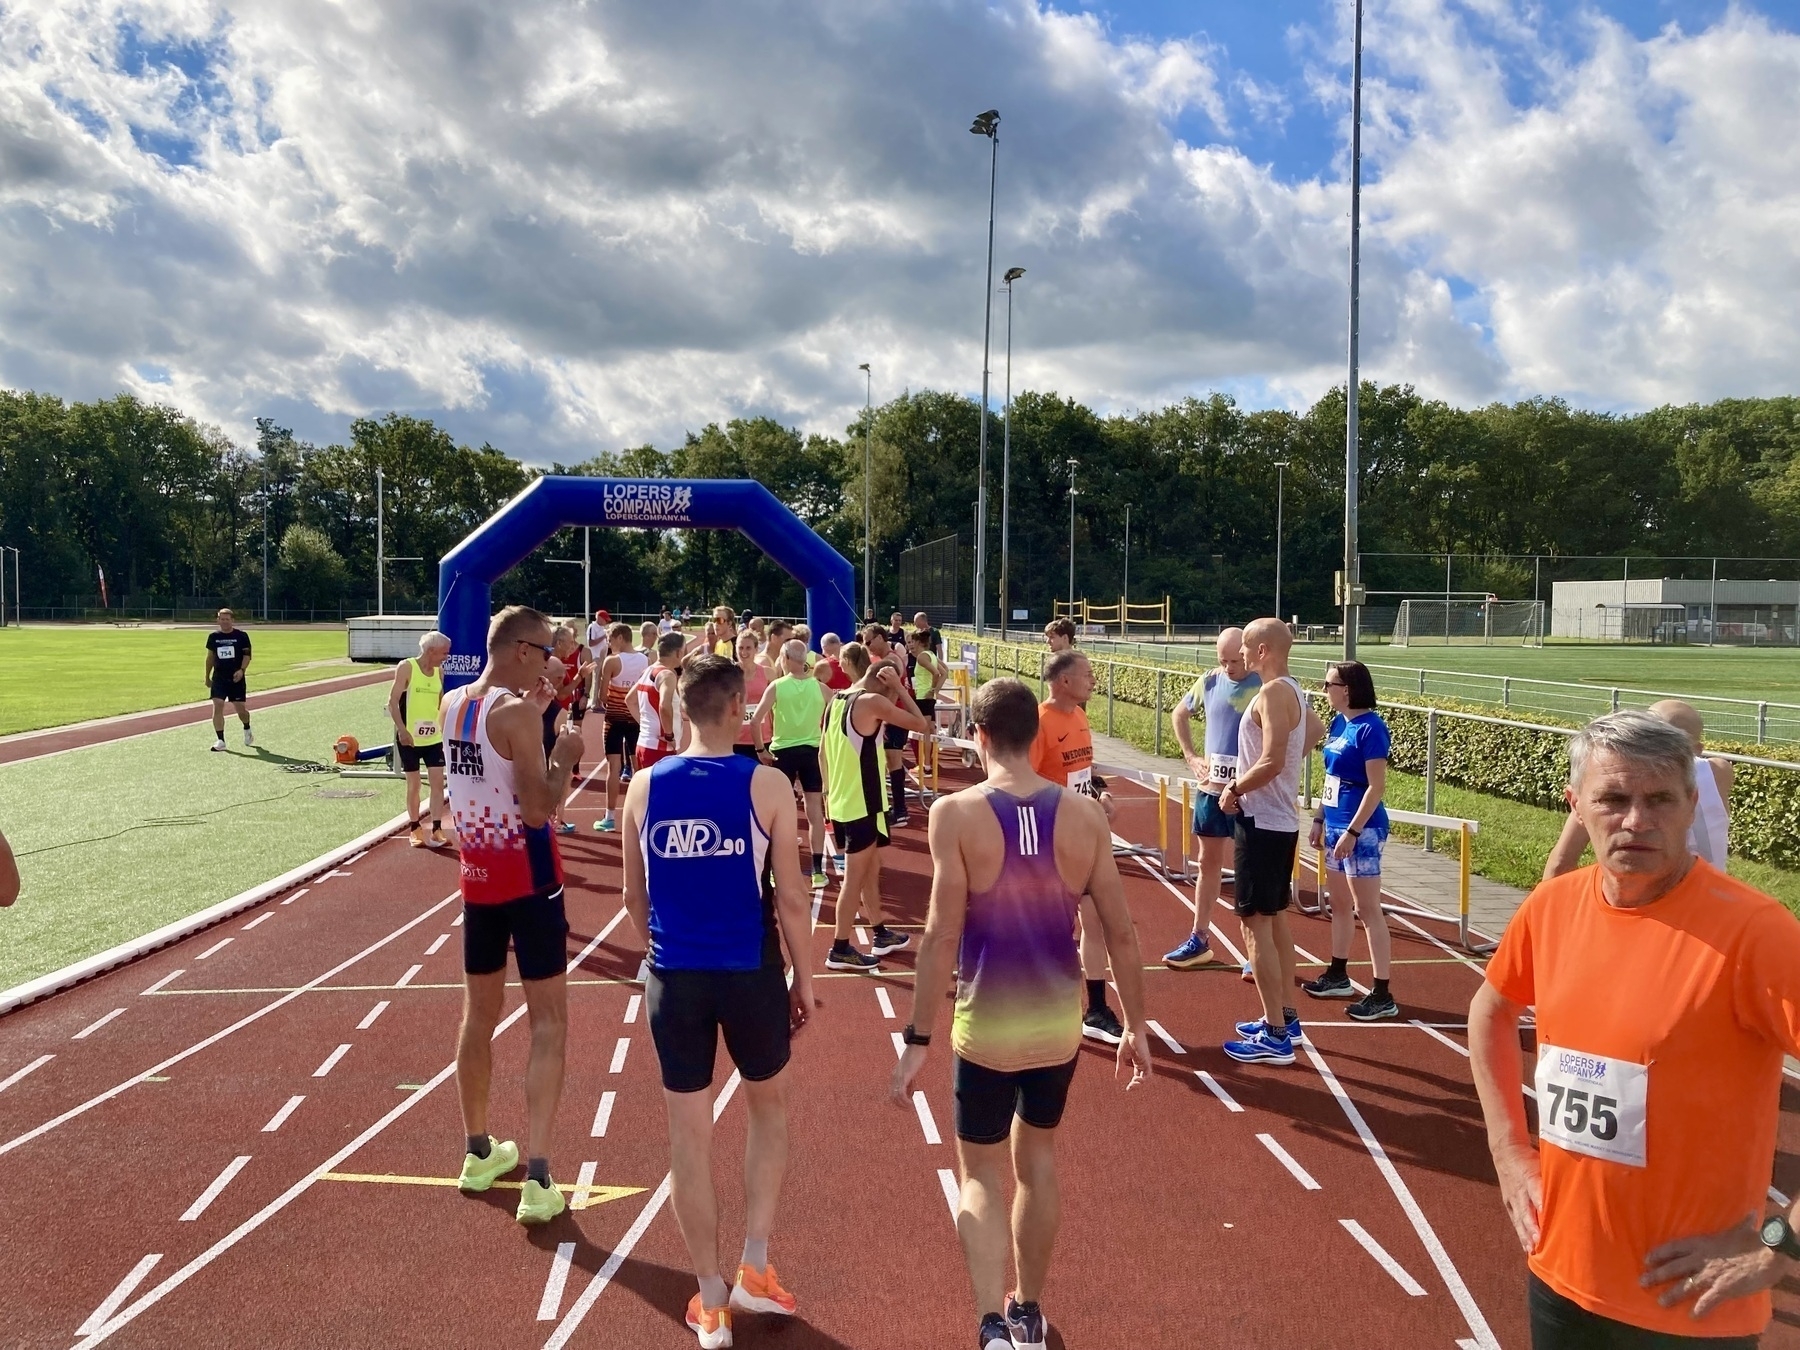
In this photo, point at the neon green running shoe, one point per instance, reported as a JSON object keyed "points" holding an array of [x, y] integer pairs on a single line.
{"points": [[480, 1173], [539, 1204]]}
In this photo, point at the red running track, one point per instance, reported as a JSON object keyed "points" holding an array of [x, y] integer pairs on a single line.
{"points": [[1347, 1198]]}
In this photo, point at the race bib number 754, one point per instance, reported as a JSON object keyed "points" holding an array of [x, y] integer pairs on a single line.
{"points": [[1592, 1104]]}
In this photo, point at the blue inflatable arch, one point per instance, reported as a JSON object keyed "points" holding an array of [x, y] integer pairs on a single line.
{"points": [[467, 573]]}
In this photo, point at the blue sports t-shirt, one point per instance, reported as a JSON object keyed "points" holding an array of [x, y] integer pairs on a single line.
{"points": [[1349, 746], [1223, 702]]}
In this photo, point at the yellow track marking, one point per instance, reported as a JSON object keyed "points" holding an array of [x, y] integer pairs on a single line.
{"points": [[594, 1195]]}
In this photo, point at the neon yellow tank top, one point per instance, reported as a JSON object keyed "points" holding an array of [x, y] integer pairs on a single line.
{"points": [[924, 672], [857, 786], [798, 707], [423, 695]]}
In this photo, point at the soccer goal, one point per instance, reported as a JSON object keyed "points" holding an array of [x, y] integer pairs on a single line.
{"points": [[1469, 622]]}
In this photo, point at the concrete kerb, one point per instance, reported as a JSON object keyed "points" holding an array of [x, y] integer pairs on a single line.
{"points": [[32, 990]]}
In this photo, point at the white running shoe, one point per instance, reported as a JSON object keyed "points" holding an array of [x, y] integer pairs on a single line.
{"points": [[248, 738], [219, 744]]}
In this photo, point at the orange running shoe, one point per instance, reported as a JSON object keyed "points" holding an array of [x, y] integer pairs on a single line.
{"points": [[761, 1291], [438, 839], [711, 1325], [416, 836]]}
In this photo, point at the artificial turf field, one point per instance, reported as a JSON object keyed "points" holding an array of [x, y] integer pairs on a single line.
{"points": [[62, 673], [119, 838]]}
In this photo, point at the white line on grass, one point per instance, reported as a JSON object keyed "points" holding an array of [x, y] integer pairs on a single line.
{"points": [[1213, 1086], [437, 944], [926, 1123], [1286, 1159], [94, 1026], [1157, 1028], [887, 1004], [219, 1183], [17, 1074], [406, 979], [952, 1192], [632, 1005], [1382, 1259], [279, 1119], [170, 978], [551, 1303], [1465, 1301], [639, 1226], [331, 1061], [296, 895], [619, 1050], [122, 1291], [264, 917], [218, 946], [369, 1017], [603, 1114]]}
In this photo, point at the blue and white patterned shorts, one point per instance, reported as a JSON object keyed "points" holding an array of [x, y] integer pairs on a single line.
{"points": [[1365, 861]]}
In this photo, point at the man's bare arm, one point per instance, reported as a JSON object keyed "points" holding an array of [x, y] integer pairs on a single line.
{"points": [[393, 709], [517, 732], [773, 799], [1107, 891], [888, 711], [1181, 720], [944, 922], [1279, 717], [1565, 854], [1498, 1066], [631, 824]]}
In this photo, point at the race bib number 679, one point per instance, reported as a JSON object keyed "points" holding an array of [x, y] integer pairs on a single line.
{"points": [[1592, 1104]]}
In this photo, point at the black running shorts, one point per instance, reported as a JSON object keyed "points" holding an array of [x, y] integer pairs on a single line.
{"points": [[801, 765], [1559, 1323], [412, 756], [893, 737], [621, 737], [987, 1100], [550, 715], [232, 691], [689, 1008], [853, 836], [536, 927], [928, 710], [1262, 868]]}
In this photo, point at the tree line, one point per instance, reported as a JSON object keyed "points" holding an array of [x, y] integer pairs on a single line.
{"points": [[170, 507]]}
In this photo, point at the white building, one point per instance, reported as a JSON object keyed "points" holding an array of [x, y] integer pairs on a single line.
{"points": [[1661, 609]]}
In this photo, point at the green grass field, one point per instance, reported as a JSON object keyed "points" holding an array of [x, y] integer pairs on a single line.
{"points": [[62, 673], [116, 840]]}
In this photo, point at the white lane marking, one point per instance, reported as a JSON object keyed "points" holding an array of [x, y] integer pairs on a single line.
{"points": [[818, 902], [633, 1235], [1305, 955], [264, 917], [280, 1117], [1286, 1159], [1465, 1301], [351, 862], [1168, 1040], [219, 1183], [899, 1043], [300, 1187], [862, 935], [122, 1291], [1382, 1259], [584, 782], [437, 944], [887, 1004], [926, 1123], [296, 895], [1475, 966], [1217, 1091], [1779, 1198], [218, 946], [632, 1005], [1439, 1036], [603, 1114], [339, 873], [217, 1036], [17, 1074], [370, 1016], [456, 922], [1214, 929], [584, 1185], [1791, 1071], [406, 979], [331, 1061], [170, 978], [619, 1050], [952, 1192], [551, 1303], [94, 1026]]}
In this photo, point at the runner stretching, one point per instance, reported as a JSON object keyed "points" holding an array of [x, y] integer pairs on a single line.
{"points": [[794, 705], [227, 666], [857, 803], [414, 701], [715, 904], [502, 796], [1009, 860]]}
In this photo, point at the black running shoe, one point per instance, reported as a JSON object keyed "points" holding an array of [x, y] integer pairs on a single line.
{"points": [[993, 1334], [1025, 1323], [846, 957], [885, 940], [1101, 1025], [1329, 986], [1373, 1008]]}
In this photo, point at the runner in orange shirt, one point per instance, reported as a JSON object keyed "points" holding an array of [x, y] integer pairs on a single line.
{"points": [[1666, 995], [1064, 753]]}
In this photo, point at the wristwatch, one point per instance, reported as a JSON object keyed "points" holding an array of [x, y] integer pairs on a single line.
{"points": [[911, 1037], [1778, 1236]]}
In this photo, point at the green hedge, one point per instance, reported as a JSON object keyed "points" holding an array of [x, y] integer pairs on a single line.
{"points": [[1496, 758]]}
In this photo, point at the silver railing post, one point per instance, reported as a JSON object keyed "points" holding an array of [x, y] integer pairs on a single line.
{"points": [[1615, 700], [1421, 679], [1112, 677], [1506, 691], [1430, 770], [1159, 711], [1762, 723]]}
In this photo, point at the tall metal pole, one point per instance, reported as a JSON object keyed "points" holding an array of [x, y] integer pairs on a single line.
{"points": [[868, 473], [1125, 599], [380, 602], [1280, 490], [1351, 568], [988, 124], [2, 585], [1073, 465], [1712, 609], [587, 563], [265, 532], [1012, 275]]}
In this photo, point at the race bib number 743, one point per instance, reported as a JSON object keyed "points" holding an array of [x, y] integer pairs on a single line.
{"points": [[1592, 1104]]}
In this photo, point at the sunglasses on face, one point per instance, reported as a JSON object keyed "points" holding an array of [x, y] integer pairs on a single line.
{"points": [[547, 651], [1336, 684]]}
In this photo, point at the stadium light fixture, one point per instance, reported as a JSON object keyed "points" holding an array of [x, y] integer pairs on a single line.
{"points": [[1352, 572], [1012, 275], [985, 124]]}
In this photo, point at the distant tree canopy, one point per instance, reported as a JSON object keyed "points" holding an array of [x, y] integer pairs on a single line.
{"points": [[170, 507]]}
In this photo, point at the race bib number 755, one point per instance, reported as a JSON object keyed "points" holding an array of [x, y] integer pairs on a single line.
{"points": [[1592, 1104]]}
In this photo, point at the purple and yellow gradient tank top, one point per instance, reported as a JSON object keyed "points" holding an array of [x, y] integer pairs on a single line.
{"points": [[1018, 987]]}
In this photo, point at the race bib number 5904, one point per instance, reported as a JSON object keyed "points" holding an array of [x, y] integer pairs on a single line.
{"points": [[1592, 1104]]}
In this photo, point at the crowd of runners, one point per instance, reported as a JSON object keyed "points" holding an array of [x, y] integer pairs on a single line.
{"points": [[1665, 993]]}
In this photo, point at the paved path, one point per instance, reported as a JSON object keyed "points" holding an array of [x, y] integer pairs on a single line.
{"points": [[51, 740]]}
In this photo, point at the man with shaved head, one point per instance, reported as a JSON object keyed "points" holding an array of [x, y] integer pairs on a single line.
{"points": [[1220, 696], [1712, 780]]}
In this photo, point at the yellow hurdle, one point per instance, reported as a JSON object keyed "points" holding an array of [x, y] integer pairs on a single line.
{"points": [[1185, 824], [1162, 819]]}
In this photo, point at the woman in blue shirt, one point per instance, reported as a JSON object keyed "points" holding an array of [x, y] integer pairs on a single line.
{"points": [[1351, 825]]}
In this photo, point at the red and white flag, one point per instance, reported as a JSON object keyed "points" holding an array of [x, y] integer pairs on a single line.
{"points": [[104, 602]]}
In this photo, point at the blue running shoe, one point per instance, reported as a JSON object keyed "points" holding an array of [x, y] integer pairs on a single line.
{"points": [[1248, 1029], [565, 827], [1025, 1324], [1191, 953], [1261, 1047]]}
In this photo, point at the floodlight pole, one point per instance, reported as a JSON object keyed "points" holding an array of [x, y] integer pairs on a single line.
{"points": [[868, 472], [1012, 275], [1125, 599], [380, 562], [987, 124], [1351, 390], [265, 534], [1280, 493], [1073, 465]]}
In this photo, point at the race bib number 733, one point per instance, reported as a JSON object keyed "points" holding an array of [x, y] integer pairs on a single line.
{"points": [[1592, 1104]]}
